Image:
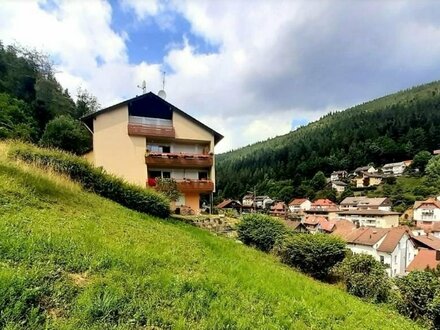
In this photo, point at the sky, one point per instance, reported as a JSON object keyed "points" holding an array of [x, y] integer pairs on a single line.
{"points": [[251, 70]]}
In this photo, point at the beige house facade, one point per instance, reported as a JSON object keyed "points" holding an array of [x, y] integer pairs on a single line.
{"points": [[146, 137]]}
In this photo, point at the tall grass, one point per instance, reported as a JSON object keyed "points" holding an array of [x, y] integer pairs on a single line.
{"points": [[70, 259]]}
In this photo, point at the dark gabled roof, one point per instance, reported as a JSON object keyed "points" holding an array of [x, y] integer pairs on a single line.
{"points": [[87, 118]]}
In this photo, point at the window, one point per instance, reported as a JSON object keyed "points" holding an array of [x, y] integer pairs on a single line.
{"points": [[382, 259], [154, 174], [203, 175], [166, 149], [166, 175], [395, 259]]}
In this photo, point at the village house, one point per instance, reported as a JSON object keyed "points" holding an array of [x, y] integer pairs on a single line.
{"points": [[426, 214], [248, 201], [229, 204], [367, 179], [296, 226], [146, 137], [315, 224], [366, 203], [393, 247], [368, 169], [396, 169], [428, 255], [297, 205], [323, 207], [339, 186], [371, 218], [338, 175], [279, 209]]}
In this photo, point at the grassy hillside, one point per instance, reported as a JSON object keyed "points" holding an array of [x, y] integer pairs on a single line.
{"points": [[72, 260], [391, 128]]}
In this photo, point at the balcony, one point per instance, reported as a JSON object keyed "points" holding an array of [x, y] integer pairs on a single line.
{"points": [[151, 131], [199, 186], [151, 127], [179, 160], [189, 185]]}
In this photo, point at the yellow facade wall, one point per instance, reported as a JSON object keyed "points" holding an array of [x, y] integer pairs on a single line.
{"points": [[192, 200], [115, 150], [187, 130], [90, 157]]}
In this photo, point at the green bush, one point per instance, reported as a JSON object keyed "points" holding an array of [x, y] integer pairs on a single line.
{"points": [[313, 254], [261, 231], [365, 277], [415, 293], [434, 311], [94, 179]]}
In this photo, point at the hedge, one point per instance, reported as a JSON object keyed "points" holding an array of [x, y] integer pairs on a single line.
{"points": [[313, 254], [261, 231], [94, 179]]}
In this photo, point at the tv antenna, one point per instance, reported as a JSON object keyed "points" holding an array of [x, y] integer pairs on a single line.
{"points": [[162, 93], [143, 87]]}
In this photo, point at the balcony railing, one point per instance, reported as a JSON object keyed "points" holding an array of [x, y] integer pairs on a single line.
{"points": [[151, 130], [178, 160], [189, 185]]}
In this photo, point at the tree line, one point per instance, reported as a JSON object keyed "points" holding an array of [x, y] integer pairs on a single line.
{"points": [[389, 129], [33, 105]]}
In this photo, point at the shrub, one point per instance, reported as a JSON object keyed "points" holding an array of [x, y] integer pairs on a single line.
{"points": [[313, 254], [365, 277], [415, 293], [94, 179], [261, 231], [434, 311], [67, 134]]}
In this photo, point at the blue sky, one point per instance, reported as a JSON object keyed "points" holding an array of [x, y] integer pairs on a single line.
{"points": [[151, 38], [249, 69]]}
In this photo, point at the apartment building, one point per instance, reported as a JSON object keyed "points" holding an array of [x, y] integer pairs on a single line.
{"points": [[146, 137]]}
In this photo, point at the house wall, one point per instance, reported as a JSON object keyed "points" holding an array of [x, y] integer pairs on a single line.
{"points": [[400, 258], [115, 150], [188, 130], [422, 214]]}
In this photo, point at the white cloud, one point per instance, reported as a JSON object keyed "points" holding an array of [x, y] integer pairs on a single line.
{"points": [[142, 8], [276, 61]]}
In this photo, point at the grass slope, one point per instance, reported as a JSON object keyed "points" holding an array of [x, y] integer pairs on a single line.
{"points": [[72, 260]]}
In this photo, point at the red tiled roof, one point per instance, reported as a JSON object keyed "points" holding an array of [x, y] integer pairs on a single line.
{"points": [[366, 236], [424, 259], [293, 224], [343, 228], [430, 241], [327, 225], [298, 201], [323, 202], [278, 206], [313, 220], [429, 203], [392, 239]]}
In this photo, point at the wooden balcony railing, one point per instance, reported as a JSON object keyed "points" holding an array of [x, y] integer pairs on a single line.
{"points": [[151, 130], [195, 185], [180, 160], [189, 185]]}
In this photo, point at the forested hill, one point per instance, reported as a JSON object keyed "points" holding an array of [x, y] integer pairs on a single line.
{"points": [[388, 129]]}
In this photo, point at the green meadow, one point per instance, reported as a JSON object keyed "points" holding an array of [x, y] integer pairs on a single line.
{"points": [[70, 259]]}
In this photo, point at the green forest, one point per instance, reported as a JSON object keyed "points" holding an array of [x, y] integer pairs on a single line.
{"points": [[392, 128], [33, 105]]}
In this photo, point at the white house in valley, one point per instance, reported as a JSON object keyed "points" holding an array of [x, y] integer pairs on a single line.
{"points": [[427, 212], [299, 204], [366, 203], [392, 246], [371, 218], [396, 169]]}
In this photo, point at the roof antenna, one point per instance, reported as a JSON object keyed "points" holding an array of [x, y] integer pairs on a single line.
{"points": [[143, 87], [162, 93]]}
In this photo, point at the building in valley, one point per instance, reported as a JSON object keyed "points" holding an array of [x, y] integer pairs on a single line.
{"points": [[426, 214], [146, 137], [371, 218]]}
